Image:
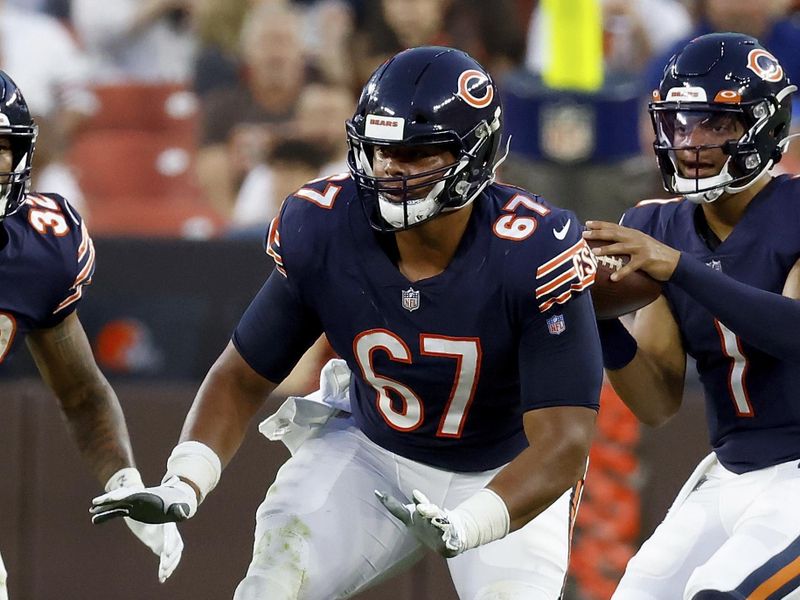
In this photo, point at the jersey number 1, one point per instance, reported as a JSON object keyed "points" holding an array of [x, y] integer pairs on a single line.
{"points": [[8, 328], [465, 351], [732, 348]]}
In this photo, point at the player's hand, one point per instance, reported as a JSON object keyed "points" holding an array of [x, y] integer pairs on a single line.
{"points": [[439, 529], [164, 540], [172, 501], [647, 254]]}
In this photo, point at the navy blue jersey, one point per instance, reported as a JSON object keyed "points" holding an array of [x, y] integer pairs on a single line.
{"points": [[46, 259], [443, 368], [753, 415]]}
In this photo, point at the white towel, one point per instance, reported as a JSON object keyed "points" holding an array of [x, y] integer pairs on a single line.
{"points": [[301, 417]]}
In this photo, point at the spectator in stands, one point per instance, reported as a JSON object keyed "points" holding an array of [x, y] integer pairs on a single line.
{"points": [[238, 123], [137, 40], [54, 72], [218, 25], [291, 163], [484, 29], [316, 130], [327, 34], [322, 110]]}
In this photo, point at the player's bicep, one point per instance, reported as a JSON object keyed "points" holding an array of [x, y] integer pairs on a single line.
{"points": [[560, 359], [658, 336], [791, 288], [276, 329]]}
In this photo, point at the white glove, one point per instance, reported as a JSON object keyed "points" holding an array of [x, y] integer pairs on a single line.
{"points": [[480, 519], [127, 497], [164, 540], [172, 501], [437, 528]]}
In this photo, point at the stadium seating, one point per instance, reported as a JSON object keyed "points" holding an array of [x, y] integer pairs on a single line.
{"points": [[134, 159]]}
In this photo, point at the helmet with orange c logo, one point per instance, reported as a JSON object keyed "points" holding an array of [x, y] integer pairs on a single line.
{"points": [[425, 96], [720, 82]]}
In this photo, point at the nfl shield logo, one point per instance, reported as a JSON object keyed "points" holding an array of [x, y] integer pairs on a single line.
{"points": [[715, 264], [567, 132], [556, 325], [410, 299]]}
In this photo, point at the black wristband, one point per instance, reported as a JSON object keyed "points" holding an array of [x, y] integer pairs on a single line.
{"points": [[619, 346]]}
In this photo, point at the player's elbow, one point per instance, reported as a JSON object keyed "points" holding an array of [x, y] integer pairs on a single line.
{"points": [[575, 453], [656, 410], [572, 452]]}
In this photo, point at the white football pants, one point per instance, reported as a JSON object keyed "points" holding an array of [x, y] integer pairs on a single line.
{"points": [[321, 534], [725, 536]]}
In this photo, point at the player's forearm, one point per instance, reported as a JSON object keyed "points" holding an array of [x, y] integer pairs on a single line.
{"points": [[553, 463], [650, 392], [768, 321], [222, 410], [97, 424], [650, 388], [528, 485]]}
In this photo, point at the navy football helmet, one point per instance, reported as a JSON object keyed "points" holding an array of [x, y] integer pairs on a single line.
{"points": [[721, 82], [15, 124], [421, 96]]}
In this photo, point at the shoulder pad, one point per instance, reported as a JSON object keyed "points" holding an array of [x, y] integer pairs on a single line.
{"points": [[300, 217]]}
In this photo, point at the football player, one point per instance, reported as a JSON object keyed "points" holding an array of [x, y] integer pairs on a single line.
{"points": [[727, 249], [472, 356], [46, 259]]}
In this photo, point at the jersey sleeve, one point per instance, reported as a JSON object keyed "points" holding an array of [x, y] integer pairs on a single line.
{"points": [[84, 271], [560, 358], [560, 361], [566, 265], [77, 265], [281, 323], [275, 330]]}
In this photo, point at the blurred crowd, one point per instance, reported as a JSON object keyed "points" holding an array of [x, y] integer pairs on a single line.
{"points": [[197, 117]]}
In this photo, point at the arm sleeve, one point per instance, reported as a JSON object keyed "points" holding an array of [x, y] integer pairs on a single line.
{"points": [[766, 320], [562, 369], [276, 329]]}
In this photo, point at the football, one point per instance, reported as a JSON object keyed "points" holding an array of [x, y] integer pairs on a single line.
{"points": [[613, 299]]}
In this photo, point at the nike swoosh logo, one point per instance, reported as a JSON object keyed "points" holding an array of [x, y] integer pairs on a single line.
{"points": [[562, 233]]}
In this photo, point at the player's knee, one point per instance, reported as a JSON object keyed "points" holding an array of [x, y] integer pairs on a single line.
{"points": [[258, 587], [279, 568]]}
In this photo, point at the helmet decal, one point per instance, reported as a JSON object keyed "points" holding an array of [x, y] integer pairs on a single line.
{"points": [[728, 97], [384, 128], [465, 92], [763, 64], [687, 94]]}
